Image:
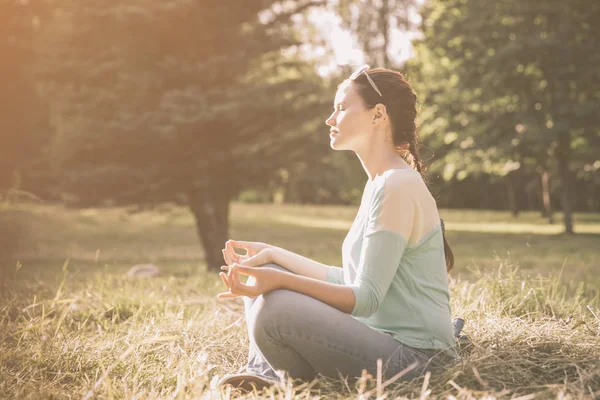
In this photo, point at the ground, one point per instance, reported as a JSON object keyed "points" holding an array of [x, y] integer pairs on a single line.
{"points": [[72, 325]]}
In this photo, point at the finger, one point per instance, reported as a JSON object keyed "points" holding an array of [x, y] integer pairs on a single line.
{"points": [[238, 243], [229, 255], [241, 260], [228, 275], [230, 251], [227, 295], [234, 278], [235, 283], [240, 290], [223, 276]]}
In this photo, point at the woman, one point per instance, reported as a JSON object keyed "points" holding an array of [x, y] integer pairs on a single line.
{"points": [[390, 300]]}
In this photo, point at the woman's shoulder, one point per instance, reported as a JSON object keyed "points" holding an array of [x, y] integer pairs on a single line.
{"points": [[406, 186], [408, 182], [403, 204], [397, 176]]}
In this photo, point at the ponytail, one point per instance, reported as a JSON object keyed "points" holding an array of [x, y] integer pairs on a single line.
{"points": [[415, 162], [448, 254]]}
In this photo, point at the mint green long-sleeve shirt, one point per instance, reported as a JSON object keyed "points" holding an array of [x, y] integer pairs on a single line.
{"points": [[393, 259]]}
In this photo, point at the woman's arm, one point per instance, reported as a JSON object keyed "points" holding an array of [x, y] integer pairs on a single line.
{"points": [[301, 265], [337, 296], [380, 259]]}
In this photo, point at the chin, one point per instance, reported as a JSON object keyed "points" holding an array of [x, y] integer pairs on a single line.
{"points": [[338, 145]]}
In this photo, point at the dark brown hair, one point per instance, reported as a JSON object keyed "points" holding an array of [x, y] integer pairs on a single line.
{"points": [[400, 101]]}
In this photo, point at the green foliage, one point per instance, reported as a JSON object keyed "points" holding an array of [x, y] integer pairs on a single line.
{"points": [[509, 86], [155, 98], [489, 72]]}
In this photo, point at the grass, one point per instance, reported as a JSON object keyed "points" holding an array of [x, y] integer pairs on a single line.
{"points": [[73, 326]]}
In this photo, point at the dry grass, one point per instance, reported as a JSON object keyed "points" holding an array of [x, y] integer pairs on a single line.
{"points": [[81, 329]]}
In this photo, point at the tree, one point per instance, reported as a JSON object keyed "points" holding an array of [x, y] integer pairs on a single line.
{"points": [[489, 71], [374, 22], [180, 100]]}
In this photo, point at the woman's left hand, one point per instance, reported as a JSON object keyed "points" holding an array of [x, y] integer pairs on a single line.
{"points": [[265, 280]]}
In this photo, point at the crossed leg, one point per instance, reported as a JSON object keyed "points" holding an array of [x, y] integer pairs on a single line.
{"points": [[299, 335]]}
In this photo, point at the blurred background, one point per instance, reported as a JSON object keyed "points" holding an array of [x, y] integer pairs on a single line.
{"points": [[122, 121]]}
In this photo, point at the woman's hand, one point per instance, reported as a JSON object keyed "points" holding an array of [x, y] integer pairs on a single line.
{"points": [[266, 280], [257, 253]]}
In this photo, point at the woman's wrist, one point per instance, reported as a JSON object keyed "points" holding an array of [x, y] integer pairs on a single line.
{"points": [[272, 252]]}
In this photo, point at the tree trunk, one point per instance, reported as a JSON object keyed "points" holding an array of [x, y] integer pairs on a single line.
{"points": [[592, 204], [384, 17], [291, 191], [512, 195], [546, 206], [210, 206], [563, 154]]}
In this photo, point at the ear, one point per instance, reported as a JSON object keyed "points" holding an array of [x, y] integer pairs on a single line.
{"points": [[379, 114]]}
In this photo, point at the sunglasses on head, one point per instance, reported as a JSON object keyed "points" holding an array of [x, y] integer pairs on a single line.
{"points": [[364, 69]]}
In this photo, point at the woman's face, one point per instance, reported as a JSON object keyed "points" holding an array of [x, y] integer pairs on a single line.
{"points": [[350, 122]]}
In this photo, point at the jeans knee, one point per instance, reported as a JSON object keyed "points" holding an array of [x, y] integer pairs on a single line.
{"points": [[263, 327], [274, 309]]}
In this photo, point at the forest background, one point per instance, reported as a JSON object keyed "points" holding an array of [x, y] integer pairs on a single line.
{"points": [[203, 103]]}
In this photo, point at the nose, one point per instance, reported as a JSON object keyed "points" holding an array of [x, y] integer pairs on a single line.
{"points": [[331, 120]]}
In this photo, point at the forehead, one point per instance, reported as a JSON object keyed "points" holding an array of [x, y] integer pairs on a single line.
{"points": [[345, 93]]}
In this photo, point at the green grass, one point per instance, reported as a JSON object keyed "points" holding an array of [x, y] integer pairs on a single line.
{"points": [[73, 326]]}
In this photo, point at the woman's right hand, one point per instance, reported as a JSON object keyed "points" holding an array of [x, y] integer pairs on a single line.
{"points": [[257, 253]]}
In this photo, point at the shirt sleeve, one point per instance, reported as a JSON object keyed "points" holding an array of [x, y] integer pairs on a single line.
{"points": [[335, 275], [389, 223]]}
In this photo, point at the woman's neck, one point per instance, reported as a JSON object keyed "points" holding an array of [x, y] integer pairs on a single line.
{"points": [[376, 166]]}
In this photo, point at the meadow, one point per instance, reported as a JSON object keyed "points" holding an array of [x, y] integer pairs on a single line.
{"points": [[72, 325]]}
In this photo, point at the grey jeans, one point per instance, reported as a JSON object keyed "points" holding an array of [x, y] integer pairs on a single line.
{"points": [[295, 335]]}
